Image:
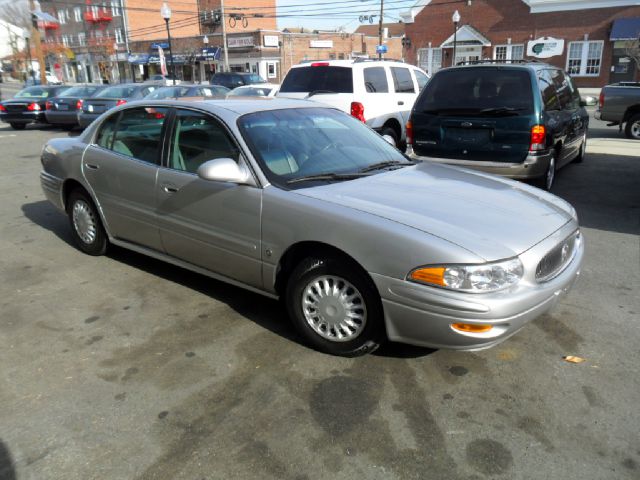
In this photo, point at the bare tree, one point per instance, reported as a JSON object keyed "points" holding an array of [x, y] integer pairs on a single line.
{"points": [[17, 14]]}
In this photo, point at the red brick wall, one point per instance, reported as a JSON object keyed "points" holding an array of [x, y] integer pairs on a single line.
{"points": [[239, 7], [499, 20], [148, 24]]}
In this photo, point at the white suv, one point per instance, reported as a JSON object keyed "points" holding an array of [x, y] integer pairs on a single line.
{"points": [[378, 92]]}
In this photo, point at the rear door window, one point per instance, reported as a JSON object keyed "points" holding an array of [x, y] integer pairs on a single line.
{"points": [[139, 133], [402, 81], [318, 78], [375, 80]]}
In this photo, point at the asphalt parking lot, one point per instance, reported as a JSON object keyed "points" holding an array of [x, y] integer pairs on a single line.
{"points": [[123, 367]]}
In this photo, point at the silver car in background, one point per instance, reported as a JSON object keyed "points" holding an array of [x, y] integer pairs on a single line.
{"points": [[295, 200]]}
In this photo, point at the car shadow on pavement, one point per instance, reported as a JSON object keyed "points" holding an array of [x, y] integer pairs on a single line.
{"points": [[605, 191], [7, 469], [268, 313]]}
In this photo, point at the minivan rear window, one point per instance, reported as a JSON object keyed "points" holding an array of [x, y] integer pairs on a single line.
{"points": [[318, 78], [490, 91]]}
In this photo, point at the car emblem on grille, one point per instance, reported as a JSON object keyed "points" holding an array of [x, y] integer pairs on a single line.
{"points": [[466, 124], [564, 253]]}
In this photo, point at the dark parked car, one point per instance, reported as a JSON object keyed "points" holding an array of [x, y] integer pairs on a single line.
{"points": [[187, 90], [63, 109], [111, 97], [232, 80], [619, 104], [28, 106], [519, 120]]}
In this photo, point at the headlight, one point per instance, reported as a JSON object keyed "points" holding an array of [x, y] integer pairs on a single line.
{"points": [[486, 277]]}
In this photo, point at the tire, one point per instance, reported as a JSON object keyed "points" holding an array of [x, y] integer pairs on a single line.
{"points": [[86, 226], [67, 127], [632, 127], [18, 126], [392, 133], [581, 152], [306, 297], [546, 181]]}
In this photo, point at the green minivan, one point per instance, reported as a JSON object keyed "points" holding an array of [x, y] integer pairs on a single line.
{"points": [[522, 120]]}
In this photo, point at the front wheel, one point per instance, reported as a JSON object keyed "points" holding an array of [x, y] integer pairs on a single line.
{"points": [[632, 128], [335, 307], [86, 226]]}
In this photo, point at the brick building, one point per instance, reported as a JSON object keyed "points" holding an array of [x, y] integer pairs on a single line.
{"points": [[583, 34]]}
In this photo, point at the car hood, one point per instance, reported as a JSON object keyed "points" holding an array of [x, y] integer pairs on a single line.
{"points": [[491, 217]]}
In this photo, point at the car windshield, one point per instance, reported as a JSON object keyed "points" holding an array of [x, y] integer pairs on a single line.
{"points": [[168, 92], [293, 145], [116, 92], [251, 91], [318, 78], [78, 92], [33, 92], [478, 90]]}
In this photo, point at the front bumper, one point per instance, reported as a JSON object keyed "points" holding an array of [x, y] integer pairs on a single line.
{"points": [[533, 166], [23, 117], [422, 315]]}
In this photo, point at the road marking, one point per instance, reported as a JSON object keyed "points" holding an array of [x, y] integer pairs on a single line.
{"points": [[7, 136]]}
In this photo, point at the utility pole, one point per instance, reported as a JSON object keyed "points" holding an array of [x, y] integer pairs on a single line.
{"points": [[35, 39], [380, 28], [224, 37]]}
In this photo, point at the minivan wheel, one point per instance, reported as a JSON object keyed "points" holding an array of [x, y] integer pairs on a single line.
{"points": [[86, 226], [335, 307], [632, 128], [546, 181], [581, 152]]}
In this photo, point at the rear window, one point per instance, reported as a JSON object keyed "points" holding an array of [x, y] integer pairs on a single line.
{"points": [[78, 92], [33, 92], [472, 90], [116, 92], [319, 78]]}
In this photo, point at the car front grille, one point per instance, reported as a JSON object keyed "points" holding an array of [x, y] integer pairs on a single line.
{"points": [[554, 262]]}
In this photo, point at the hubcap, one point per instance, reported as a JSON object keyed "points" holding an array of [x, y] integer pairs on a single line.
{"points": [[551, 172], [84, 221], [635, 129], [334, 308]]}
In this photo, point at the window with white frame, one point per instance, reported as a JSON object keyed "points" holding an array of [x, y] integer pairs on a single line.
{"points": [[61, 17], [508, 52], [115, 8], [77, 13], [118, 33], [65, 40], [585, 58], [430, 59], [271, 70], [81, 39]]}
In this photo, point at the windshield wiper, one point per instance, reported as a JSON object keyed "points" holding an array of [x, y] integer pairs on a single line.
{"points": [[327, 176], [500, 111], [388, 163], [317, 92]]}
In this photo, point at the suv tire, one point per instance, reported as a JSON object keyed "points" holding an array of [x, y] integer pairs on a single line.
{"points": [[632, 128]]}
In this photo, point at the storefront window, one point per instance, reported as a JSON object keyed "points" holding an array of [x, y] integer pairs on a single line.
{"points": [[584, 58]]}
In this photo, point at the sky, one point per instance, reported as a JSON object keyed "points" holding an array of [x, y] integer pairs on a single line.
{"points": [[333, 14]]}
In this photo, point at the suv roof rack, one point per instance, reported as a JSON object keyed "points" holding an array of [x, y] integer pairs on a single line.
{"points": [[490, 61], [364, 59]]}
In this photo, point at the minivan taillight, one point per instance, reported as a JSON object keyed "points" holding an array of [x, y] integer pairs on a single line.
{"points": [[409, 129], [357, 111], [538, 137], [601, 100], [33, 107], [2, 108], [122, 101], [79, 104]]}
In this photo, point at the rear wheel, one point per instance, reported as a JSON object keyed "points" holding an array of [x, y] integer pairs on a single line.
{"points": [[546, 181], [18, 126], [583, 148], [632, 128], [335, 307], [386, 130], [86, 226]]}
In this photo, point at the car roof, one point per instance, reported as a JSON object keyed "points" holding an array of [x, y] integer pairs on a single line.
{"points": [[352, 62], [239, 107]]}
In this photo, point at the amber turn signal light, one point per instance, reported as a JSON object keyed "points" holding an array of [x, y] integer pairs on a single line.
{"points": [[432, 275], [471, 327]]}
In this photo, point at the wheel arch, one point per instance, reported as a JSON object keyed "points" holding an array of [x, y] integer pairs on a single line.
{"points": [[631, 111], [394, 123], [69, 186]]}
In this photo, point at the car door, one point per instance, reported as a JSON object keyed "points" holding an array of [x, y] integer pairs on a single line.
{"points": [[121, 167], [569, 115], [405, 91], [556, 120], [214, 225]]}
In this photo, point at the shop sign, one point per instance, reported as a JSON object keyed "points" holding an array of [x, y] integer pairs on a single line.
{"points": [[545, 47], [321, 43], [239, 42], [163, 45], [270, 41]]}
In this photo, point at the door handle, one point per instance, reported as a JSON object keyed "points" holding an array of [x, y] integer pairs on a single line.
{"points": [[92, 166], [400, 102], [170, 189]]}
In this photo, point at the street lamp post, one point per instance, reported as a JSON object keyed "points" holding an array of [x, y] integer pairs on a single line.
{"points": [[165, 11], [203, 64], [456, 19]]}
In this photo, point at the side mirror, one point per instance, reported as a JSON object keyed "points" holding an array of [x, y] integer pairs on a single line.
{"points": [[588, 101], [223, 170]]}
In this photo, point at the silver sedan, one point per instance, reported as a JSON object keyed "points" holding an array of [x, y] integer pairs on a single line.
{"points": [[303, 202]]}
